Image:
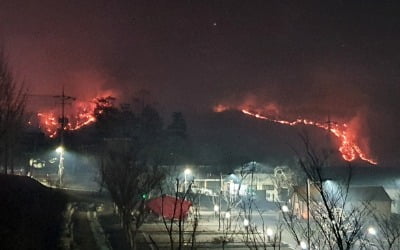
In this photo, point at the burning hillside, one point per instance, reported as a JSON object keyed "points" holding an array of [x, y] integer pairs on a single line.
{"points": [[82, 114], [347, 138]]}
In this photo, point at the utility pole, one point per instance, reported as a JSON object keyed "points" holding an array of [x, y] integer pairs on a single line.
{"points": [[308, 214], [63, 122], [253, 167], [330, 150], [219, 203], [329, 134]]}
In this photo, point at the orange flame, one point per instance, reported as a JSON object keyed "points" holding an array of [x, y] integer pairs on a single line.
{"points": [[348, 147], [220, 108], [49, 124], [84, 116]]}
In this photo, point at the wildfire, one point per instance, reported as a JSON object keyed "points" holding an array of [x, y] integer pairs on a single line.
{"points": [[85, 115], [220, 108], [348, 146], [49, 124]]}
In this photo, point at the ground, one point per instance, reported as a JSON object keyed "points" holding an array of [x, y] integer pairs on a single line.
{"points": [[37, 218], [31, 214]]}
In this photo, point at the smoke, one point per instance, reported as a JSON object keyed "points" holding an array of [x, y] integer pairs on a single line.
{"points": [[360, 131], [90, 84], [281, 59]]}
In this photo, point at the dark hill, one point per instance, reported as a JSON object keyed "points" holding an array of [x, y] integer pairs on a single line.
{"points": [[231, 138], [31, 214]]}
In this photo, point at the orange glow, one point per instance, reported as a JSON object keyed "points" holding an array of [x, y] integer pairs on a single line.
{"points": [[84, 116], [48, 123], [220, 108], [348, 146]]}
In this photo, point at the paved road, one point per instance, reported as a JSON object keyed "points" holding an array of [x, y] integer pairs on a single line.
{"points": [[83, 237], [154, 235], [87, 232], [207, 236]]}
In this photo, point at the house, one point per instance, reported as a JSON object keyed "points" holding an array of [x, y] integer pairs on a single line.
{"points": [[207, 186], [394, 194], [374, 198], [276, 183], [266, 183]]}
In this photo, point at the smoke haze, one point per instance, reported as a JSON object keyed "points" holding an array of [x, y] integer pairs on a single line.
{"points": [[288, 58]]}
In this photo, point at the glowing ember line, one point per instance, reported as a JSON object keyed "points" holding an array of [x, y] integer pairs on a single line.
{"points": [[50, 125], [348, 148]]}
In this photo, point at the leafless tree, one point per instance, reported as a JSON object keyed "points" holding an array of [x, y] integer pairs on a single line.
{"points": [[331, 220], [387, 235], [128, 179], [176, 226], [284, 180], [12, 106], [261, 235], [234, 200], [249, 224]]}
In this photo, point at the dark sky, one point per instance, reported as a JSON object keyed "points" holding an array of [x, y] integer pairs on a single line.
{"points": [[308, 58]]}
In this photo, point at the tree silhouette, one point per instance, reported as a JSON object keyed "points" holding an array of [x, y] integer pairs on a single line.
{"points": [[12, 106], [131, 156], [179, 149]]}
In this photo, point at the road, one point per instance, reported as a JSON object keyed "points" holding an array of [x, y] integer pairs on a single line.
{"points": [[207, 235], [87, 233], [154, 234], [83, 236]]}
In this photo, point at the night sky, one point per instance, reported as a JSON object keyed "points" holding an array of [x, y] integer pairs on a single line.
{"points": [[293, 58]]}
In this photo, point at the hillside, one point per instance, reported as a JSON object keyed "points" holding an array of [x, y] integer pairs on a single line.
{"points": [[31, 214]]}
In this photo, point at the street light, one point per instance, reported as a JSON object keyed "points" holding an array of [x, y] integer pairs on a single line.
{"points": [[303, 245], [186, 173], [308, 213], [246, 222], [60, 150], [228, 220], [371, 231], [216, 210], [270, 232], [282, 215], [330, 186], [246, 225]]}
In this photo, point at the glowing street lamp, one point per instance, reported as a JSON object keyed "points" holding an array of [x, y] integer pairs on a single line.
{"points": [[186, 173], [246, 225], [303, 245], [285, 209], [216, 210], [228, 220], [270, 233], [60, 150], [371, 231]]}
